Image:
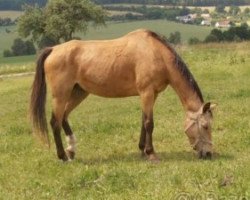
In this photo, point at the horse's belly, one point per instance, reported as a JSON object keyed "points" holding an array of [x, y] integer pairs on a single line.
{"points": [[111, 87]]}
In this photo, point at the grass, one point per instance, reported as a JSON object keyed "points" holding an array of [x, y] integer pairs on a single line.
{"points": [[108, 165], [163, 27], [6, 39], [18, 64]]}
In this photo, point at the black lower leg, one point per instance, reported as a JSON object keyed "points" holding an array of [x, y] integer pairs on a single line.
{"points": [[149, 127], [57, 137], [143, 135], [66, 127]]}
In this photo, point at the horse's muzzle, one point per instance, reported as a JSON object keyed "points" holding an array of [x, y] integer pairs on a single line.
{"points": [[205, 155]]}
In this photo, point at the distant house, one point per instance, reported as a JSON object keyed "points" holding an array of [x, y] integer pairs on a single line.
{"points": [[223, 24], [206, 16], [206, 23], [187, 18]]}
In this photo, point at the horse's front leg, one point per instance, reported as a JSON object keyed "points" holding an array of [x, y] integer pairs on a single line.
{"points": [[142, 136], [148, 99]]}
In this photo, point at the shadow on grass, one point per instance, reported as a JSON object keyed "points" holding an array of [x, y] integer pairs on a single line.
{"points": [[164, 157]]}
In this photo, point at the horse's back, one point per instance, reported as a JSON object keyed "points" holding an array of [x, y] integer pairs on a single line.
{"points": [[111, 68]]}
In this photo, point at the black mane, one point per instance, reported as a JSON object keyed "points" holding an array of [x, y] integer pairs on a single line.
{"points": [[181, 66]]}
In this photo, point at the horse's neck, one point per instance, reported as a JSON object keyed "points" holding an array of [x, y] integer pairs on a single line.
{"points": [[189, 97]]}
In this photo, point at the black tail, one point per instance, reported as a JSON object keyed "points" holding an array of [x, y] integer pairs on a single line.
{"points": [[38, 98]]}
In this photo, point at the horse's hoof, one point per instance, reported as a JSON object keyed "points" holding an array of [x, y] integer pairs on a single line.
{"points": [[143, 155], [63, 158], [153, 158], [70, 154]]}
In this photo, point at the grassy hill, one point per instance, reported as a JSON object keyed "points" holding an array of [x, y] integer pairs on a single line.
{"points": [[108, 165], [163, 27]]}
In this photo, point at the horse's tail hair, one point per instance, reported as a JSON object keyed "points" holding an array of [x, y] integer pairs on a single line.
{"points": [[38, 99]]}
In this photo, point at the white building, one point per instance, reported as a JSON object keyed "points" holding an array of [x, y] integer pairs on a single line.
{"points": [[223, 24]]}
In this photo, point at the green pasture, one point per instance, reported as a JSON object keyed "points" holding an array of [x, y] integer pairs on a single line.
{"points": [[18, 64], [108, 164], [10, 14], [164, 27]]}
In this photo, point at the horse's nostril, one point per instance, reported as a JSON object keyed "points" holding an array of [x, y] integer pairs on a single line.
{"points": [[205, 155], [200, 155]]}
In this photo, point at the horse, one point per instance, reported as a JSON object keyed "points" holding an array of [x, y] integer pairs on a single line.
{"points": [[141, 63]]}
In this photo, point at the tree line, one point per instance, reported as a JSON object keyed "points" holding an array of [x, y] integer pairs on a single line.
{"points": [[7, 21], [178, 2], [145, 13], [17, 4], [236, 34]]}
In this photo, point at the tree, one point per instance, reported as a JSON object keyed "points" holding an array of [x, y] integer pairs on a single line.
{"points": [[220, 8], [175, 38], [18, 47], [7, 53], [30, 48], [215, 35], [234, 10], [59, 20], [238, 33], [206, 11], [21, 47], [246, 11]]}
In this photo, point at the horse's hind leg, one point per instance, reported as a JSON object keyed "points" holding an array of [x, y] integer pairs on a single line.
{"points": [[56, 124], [77, 96]]}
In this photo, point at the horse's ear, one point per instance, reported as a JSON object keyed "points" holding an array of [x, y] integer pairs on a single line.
{"points": [[208, 107], [213, 106]]}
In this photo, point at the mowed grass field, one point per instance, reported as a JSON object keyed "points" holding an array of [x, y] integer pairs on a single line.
{"points": [[108, 164], [10, 14]]}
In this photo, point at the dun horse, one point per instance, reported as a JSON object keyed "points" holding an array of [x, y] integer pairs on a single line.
{"points": [[139, 63]]}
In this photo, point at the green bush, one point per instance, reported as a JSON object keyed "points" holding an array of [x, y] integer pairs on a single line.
{"points": [[193, 40], [239, 33], [20, 48], [7, 53], [175, 38]]}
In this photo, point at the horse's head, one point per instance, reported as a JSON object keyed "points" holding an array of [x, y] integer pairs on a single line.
{"points": [[198, 130]]}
